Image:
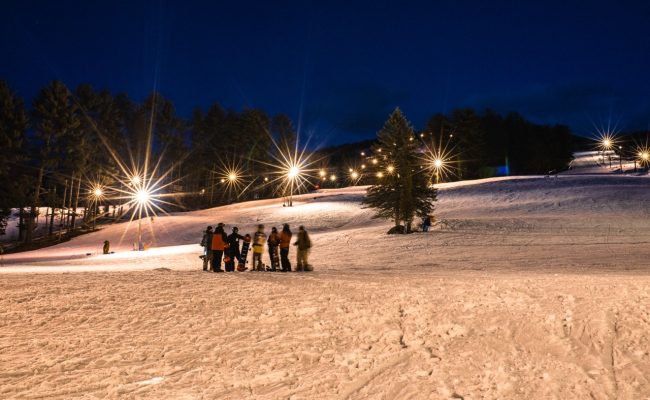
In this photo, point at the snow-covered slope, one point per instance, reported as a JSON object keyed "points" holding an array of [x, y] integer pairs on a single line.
{"points": [[526, 288], [580, 209]]}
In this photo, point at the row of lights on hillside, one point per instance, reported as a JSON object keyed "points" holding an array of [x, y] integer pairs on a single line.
{"points": [[608, 143], [144, 193]]}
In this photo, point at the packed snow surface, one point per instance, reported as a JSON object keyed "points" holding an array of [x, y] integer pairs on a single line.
{"points": [[529, 288]]}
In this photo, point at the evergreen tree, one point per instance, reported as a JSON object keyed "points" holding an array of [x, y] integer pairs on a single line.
{"points": [[13, 153], [403, 192], [255, 128], [56, 124], [470, 138], [209, 137], [283, 132]]}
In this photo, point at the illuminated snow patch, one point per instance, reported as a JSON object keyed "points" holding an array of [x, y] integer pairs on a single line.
{"points": [[153, 381]]}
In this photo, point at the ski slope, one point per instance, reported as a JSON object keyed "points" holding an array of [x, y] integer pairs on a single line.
{"points": [[526, 287]]}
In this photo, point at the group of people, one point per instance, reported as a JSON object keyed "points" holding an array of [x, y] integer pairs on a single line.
{"points": [[233, 249]]}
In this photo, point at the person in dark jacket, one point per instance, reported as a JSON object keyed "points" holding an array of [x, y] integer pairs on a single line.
{"points": [[426, 224], [233, 249], [285, 242], [219, 244], [304, 244], [274, 242], [206, 242]]}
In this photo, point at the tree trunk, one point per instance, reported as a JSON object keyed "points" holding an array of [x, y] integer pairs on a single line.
{"points": [[51, 227], [65, 196], [32, 209], [68, 200], [211, 184], [21, 224], [76, 203]]}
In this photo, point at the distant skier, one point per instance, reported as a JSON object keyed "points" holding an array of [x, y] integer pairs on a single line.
{"points": [[304, 244], [219, 244], [206, 243], [107, 247], [233, 249], [285, 242], [258, 248], [426, 224], [273, 243]]}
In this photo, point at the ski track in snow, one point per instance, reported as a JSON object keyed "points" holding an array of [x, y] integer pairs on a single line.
{"points": [[531, 288]]}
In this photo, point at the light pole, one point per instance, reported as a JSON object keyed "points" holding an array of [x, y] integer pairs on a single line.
{"points": [[607, 146], [354, 175], [97, 194], [620, 158], [645, 157], [292, 174], [437, 165], [141, 198]]}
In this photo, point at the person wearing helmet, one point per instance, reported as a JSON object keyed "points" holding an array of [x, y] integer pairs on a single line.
{"points": [[304, 244], [285, 242], [219, 244], [273, 243], [258, 248], [206, 243], [233, 249]]}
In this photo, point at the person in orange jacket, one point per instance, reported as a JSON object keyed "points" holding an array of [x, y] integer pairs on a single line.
{"points": [[285, 242], [219, 244]]}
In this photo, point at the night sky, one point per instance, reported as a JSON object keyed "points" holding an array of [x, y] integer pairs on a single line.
{"points": [[339, 68]]}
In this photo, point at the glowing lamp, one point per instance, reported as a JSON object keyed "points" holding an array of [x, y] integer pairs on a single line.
{"points": [[142, 196], [293, 172]]}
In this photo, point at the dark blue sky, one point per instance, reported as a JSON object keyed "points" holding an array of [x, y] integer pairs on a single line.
{"points": [[338, 68]]}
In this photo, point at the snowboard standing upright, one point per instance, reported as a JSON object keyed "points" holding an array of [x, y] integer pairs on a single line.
{"points": [[244, 253], [275, 259]]}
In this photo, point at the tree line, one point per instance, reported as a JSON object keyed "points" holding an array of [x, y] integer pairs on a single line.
{"points": [[51, 152], [406, 164], [52, 149]]}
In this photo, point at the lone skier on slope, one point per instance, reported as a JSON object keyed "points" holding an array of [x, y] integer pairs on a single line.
{"points": [[426, 223]]}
